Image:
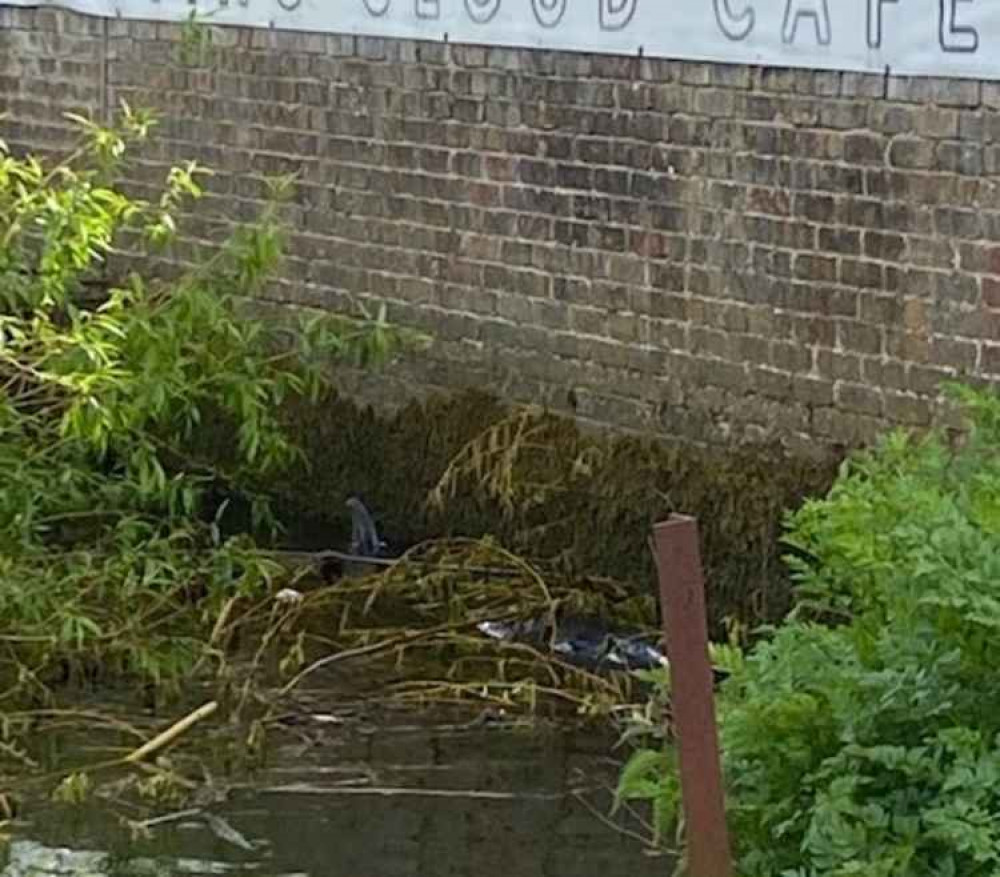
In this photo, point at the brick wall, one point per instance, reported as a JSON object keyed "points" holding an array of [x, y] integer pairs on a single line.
{"points": [[711, 252]]}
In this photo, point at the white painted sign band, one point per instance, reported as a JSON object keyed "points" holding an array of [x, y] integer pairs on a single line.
{"points": [[950, 38]]}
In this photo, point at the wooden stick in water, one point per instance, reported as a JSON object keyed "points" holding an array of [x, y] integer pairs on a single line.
{"points": [[173, 732]]}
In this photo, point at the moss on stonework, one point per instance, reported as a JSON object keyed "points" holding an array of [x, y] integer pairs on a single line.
{"points": [[582, 500]]}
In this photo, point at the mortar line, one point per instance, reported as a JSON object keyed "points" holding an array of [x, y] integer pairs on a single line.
{"points": [[105, 76]]}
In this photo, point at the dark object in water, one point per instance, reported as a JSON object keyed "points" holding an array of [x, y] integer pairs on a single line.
{"points": [[582, 643], [634, 653], [586, 644]]}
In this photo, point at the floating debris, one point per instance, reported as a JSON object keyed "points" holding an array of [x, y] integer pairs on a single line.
{"points": [[586, 644], [289, 595], [579, 642], [224, 831], [512, 630]]}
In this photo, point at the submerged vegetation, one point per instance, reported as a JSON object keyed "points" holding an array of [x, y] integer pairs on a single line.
{"points": [[862, 736]]}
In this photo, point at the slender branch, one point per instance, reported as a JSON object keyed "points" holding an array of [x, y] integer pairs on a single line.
{"points": [[172, 733]]}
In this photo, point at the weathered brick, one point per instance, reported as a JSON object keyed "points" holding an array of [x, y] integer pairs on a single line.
{"points": [[991, 292], [859, 273], [847, 429], [912, 152], [906, 346], [859, 337], [878, 245], [908, 408], [840, 240], [959, 157], [815, 267], [790, 357], [861, 85], [885, 373], [891, 118], [842, 114], [864, 149], [838, 178], [816, 208], [771, 383], [812, 391], [957, 222], [860, 398], [954, 353], [991, 94], [991, 359]]}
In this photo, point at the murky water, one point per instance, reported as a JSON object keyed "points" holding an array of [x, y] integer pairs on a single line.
{"points": [[409, 798]]}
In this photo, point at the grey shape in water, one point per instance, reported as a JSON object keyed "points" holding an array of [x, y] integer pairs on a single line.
{"points": [[365, 540]]}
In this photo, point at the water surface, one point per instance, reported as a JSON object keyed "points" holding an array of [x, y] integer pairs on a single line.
{"points": [[412, 796]]}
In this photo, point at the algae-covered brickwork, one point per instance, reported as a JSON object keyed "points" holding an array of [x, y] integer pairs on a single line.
{"points": [[587, 500]]}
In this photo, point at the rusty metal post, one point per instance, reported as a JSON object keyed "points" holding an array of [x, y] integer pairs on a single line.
{"points": [[682, 604]]}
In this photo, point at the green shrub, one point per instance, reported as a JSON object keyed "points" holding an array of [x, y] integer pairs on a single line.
{"points": [[106, 560], [861, 737]]}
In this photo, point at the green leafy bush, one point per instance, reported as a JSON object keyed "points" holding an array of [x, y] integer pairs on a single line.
{"points": [[861, 737], [107, 559]]}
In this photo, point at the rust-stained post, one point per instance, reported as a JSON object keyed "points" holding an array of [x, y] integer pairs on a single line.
{"points": [[682, 604]]}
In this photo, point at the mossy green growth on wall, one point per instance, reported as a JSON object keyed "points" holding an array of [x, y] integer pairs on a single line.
{"points": [[466, 465]]}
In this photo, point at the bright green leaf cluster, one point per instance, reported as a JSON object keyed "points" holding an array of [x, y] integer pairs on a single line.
{"points": [[109, 557], [862, 737]]}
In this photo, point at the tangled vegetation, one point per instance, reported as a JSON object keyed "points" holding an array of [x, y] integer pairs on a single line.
{"points": [[863, 735], [112, 563], [105, 528], [116, 565], [581, 502]]}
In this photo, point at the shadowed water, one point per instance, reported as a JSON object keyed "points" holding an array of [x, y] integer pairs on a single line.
{"points": [[396, 800]]}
